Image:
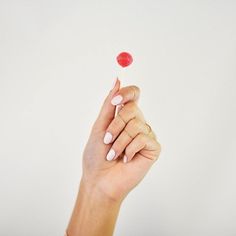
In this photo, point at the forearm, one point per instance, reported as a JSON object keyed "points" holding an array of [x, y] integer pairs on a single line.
{"points": [[94, 213]]}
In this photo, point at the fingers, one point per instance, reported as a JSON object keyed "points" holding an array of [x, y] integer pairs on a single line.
{"points": [[127, 113], [107, 111], [126, 94], [116, 97], [131, 130], [145, 144]]}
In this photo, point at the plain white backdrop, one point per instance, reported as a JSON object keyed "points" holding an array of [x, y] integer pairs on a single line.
{"points": [[57, 63]]}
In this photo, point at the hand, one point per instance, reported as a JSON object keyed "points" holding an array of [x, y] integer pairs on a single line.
{"points": [[118, 165], [118, 154]]}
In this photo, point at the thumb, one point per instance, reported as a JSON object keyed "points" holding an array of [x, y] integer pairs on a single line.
{"points": [[107, 112]]}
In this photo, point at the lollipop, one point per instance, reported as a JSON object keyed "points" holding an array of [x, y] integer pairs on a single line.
{"points": [[124, 59]]}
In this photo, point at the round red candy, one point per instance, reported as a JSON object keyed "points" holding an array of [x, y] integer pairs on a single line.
{"points": [[124, 59]]}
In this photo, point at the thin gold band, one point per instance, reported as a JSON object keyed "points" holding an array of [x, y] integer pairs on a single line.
{"points": [[149, 127]]}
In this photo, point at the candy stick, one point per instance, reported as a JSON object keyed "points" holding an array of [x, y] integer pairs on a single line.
{"points": [[124, 59]]}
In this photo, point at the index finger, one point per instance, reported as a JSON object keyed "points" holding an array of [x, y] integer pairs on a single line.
{"points": [[126, 94]]}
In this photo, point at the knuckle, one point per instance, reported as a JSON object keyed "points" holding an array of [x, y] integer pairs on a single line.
{"points": [[136, 91], [129, 107], [116, 123], [142, 138], [157, 151], [134, 124]]}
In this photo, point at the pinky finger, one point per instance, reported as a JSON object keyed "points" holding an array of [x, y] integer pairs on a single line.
{"points": [[141, 142]]}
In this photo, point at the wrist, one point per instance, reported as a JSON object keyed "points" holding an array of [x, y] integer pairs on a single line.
{"points": [[101, 190], [95, 192], [94, 212]]}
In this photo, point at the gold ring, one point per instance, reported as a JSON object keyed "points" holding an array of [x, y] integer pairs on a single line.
{"points": [[128, 134], [149, 127]]}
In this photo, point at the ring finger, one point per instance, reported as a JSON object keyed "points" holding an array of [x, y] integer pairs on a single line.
{"points": [[126, 114]]}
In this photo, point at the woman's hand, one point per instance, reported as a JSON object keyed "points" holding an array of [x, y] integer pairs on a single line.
{"points": [[121, 148], [118, 154]]}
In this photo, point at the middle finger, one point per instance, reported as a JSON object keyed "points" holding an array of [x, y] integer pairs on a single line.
{"points": [[128, 112]]}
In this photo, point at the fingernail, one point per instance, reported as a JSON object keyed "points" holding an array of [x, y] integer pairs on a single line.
{"points": [[107, 138], [113, 83], [110, 155], [125, 159], [116, 100]]}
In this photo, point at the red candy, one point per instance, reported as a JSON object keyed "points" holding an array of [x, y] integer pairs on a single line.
{"points": [[124, 59]]}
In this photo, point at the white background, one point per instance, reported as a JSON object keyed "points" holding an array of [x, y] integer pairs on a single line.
{"points": [[57, 63]]}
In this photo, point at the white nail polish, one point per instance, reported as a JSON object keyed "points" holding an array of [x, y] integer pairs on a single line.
{"points": [[110, 155], [116, 100], [113, 83], [107, 138], [125, 159]]}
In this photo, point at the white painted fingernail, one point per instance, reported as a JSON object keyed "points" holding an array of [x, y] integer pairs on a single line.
{"points": [[107, 138], [113, 83], [110, 155], [125, 159], [116, 100]]}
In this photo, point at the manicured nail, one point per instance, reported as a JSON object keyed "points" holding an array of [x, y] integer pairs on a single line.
{"points": [[110, 155], [125, 159], [116, 100], [114, 83], [107, 138]]}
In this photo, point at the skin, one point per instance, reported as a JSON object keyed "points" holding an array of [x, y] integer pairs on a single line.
{"points": [[105, 184]]}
